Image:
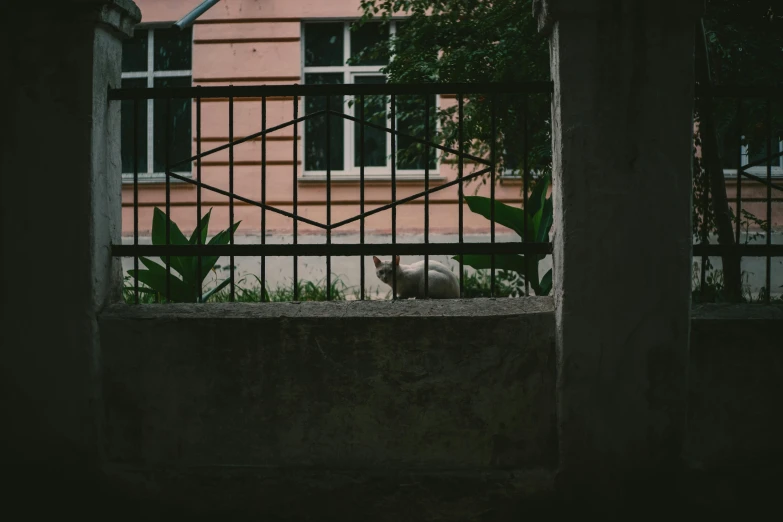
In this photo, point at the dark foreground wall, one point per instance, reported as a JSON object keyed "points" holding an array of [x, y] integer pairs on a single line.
{"points": [[427, 406], [736, 385], [374, 396]]}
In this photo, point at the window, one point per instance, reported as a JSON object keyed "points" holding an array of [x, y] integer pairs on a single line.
{"points": [[327, 47], [156, 58], [753, 152]]}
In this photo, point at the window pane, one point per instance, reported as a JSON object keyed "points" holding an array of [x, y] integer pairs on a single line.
{"points": [[410, 120], [757, 152], [366, 36], [512, 164], [315, 128], [173, 49], [134, 52], [375, 151], [126, 143], [324, 44], [180, 136]]}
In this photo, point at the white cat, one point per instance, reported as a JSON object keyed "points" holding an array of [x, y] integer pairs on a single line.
{"points": [[443, 284]]}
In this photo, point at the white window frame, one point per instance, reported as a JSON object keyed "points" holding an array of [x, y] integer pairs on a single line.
{"points": [[150, 74], [761, 170], [352, 171]]}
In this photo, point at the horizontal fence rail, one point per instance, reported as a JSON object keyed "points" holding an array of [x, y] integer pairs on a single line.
{"points": [[335, 249], [175, 255], [348, 89]]}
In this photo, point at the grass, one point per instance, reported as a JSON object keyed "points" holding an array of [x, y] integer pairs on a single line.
{"points": [[477, 284], [714, 288], [245, 293]]}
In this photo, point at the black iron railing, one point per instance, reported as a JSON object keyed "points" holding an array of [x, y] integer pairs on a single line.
{"points": [[487, 163], [745, 118]]}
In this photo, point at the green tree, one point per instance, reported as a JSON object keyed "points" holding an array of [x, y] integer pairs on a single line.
{"points": [[739, 43], [472, 41], [498, 41]]}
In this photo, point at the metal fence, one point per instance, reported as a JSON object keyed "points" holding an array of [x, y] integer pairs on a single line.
{"points": [[488, 163], [748, 124]]}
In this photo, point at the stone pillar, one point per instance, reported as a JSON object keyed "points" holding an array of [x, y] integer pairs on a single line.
{"points": [[623, 73], [60, 212]]}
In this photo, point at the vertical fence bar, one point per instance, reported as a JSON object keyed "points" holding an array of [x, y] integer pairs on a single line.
{"points": [[295, 202], [394, 191], [426, 194], [705, 204], [231, 188], [328, 198], [525, 189], [199, 241], [737, 224], [361, 190], [768, 293], [460, 137], [167, 147], [263, 194], [136, 199], [492, 154]]}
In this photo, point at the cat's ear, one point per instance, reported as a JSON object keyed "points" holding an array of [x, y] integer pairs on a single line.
{"points": [[376, 261], [396, 260]]}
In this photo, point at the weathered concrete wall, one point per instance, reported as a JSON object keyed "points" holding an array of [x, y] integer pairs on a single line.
{"points": [[622, 123], [60, 168], [435, 407], [734, 399], [411, 385]]}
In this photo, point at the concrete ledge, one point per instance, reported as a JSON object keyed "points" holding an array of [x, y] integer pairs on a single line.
{"points": [[335, 309], [436, 385], [736, 363]]}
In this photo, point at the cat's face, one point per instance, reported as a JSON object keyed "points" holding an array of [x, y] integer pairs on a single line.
{"points": [[383, 269]]}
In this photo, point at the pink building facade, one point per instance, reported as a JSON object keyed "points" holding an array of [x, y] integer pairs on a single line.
{"points": [[279, 42], [271, 42]]}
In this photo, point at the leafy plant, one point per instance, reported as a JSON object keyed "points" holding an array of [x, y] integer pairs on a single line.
{"points": [[186, 288], [462, 41], [539, 222], [479, 284]]}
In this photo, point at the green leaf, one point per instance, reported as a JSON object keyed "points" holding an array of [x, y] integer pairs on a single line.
{"points": [[215, 290], [159, 230], [155, 278], [203, 226], [538, 196], [510, 217], [512, 262], [544, 224], [546, 284], [182, 264], [221, 238]]}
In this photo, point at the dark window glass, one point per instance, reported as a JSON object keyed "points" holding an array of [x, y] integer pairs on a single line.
{"points": [[512, 164], [367, 36], [180, 127], [315, 127], [173, 49], [134, 52], [375, 151], [410, 121], [757, 151], [127, 129], [324, 44]]}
